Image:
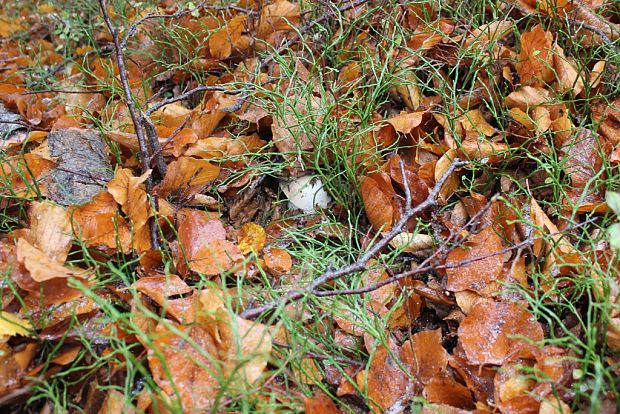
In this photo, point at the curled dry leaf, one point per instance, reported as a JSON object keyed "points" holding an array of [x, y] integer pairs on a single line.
{"points": [[128, 191], [41, 267], [412, 242], [568, 76], [50, 230], [482, 267], [509, 332]]}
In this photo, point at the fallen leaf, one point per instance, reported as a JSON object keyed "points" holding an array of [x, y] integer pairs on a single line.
{"points": [[11, 325], [188, 176], [476, 264], [320, 403], [425, 355], [535, 61], [406, 121], [252, 237], [129, 192], [99, 224], [181, 361], [50, 230], [41, 267], [278, 261], [508, 331], [385, 381]]}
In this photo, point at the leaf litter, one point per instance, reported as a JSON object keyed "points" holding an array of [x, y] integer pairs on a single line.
{"points": [[179, 236]]}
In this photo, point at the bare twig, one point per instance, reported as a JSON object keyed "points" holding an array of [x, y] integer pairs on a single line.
{"points": [[136, 117], [134, 26], [362, 262], [426, 267], [186, 95]]}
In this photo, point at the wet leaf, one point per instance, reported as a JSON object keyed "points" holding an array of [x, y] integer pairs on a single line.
{"points": [[476, 264], [278, 261], [425, 355], [498, 332]]}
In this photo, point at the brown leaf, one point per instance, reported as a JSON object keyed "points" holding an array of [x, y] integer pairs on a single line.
{"points": [[569, 78], [535, 64], [243, 346], [506, 329], [478, 274], [98, 223], [204, 243], [187, 175], [278, 261], [222, 42], [385, 382], [180, 364], [277, 17], [320, 403], [377, 201], [527, 97], [445, 390], [41, 267], [406, 121], [425, 355]]}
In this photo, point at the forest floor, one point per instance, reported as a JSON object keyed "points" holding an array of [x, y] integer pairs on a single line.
{"points": [[323, 206]]}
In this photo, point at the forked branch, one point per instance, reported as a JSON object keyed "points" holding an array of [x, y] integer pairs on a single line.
{"points": [[362, 262]]}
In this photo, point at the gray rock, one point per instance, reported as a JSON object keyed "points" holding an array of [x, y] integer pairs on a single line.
{"points": [[83, 167], [7, 127]]}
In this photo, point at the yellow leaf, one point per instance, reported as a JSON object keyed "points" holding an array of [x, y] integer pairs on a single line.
{"points": [[11, 325], [252, 237]]}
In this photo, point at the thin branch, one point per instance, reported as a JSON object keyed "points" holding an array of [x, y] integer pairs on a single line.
{"points": [[425, 267], [362, 262], [136, 118], [186, 95], [134, 27]]}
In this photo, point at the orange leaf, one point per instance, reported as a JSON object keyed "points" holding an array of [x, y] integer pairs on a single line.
{"points": [[278, 261], [406, 121], [188, 175], [98, 223], [377, 203], [535, 64], [40, 266], [386, 382], [50, 230], [425, 354], [479, 274], [252, 237], [497, 332]]}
